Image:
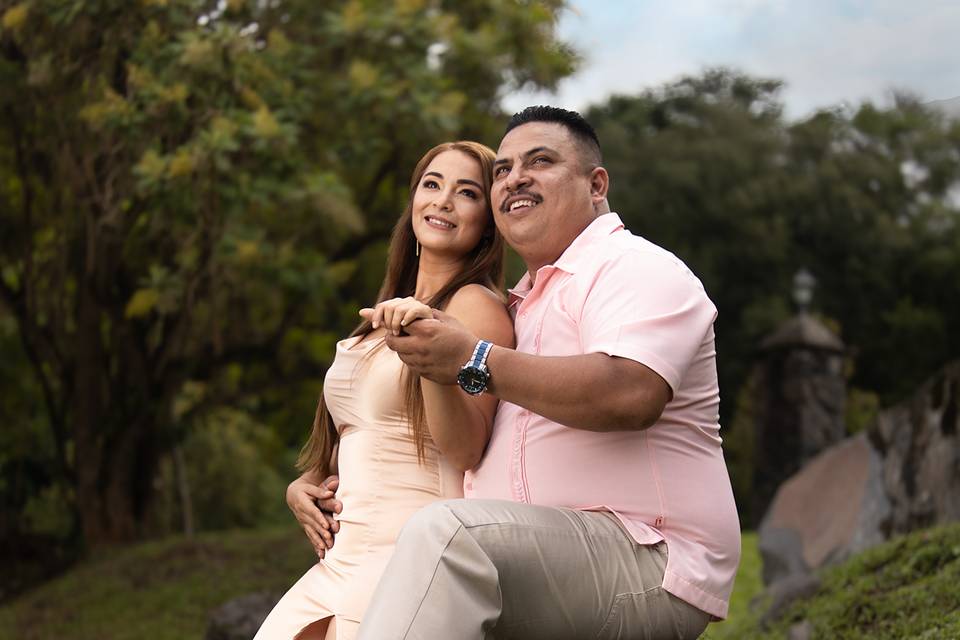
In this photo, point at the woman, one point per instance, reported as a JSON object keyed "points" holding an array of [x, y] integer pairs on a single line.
{"points": [[398, 447]]}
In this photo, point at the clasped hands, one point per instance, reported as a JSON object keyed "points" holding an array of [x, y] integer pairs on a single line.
{"points": [[430, 342]]}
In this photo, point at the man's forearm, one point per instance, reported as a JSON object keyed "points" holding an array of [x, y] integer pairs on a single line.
{"points": [[593, 392]]}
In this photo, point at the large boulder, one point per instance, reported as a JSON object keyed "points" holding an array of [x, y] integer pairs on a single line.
{"points": [[901, 474], [835, 506]]}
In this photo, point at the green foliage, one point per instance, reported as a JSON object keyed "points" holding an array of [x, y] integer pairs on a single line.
{"points": [[905, 588], [707, 167], [185, 189], [739, 449], [861, 409], [231, 476]]}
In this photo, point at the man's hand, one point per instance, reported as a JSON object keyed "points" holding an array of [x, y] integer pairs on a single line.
{"points": [[435, 349], [314, 506]]}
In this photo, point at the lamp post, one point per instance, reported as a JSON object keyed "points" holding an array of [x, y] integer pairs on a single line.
{"points": [[803, 285]]}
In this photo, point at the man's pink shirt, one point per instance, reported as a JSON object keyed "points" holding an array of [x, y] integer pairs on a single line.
{"points": [[615, 293]]}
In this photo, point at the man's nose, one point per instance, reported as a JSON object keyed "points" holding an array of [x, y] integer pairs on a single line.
{"points": [[517, 179]]}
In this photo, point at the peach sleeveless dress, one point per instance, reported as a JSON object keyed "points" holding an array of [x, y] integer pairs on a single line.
{"points": [[381, 485]]}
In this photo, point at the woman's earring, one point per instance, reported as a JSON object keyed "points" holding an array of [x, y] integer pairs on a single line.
{"points": [[418, 248]]}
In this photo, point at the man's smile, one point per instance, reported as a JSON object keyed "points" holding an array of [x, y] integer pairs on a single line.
{"points": [[519, 202]]}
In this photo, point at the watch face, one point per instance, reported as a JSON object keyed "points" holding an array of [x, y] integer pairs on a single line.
{"points": [[473, 380]]}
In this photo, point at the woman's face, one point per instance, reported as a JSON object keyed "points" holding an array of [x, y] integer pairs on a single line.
{"points": [[450, 206]]}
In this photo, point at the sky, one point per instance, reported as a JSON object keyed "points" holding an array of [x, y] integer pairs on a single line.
{"points": [[829, 52]]}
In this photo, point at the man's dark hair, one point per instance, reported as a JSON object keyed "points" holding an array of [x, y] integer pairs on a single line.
{"points": [[578, 127]]}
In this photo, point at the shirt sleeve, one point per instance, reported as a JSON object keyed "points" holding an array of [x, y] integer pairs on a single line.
{"points": [[649, 308]]}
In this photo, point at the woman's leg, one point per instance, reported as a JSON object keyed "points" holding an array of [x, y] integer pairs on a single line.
{"points": [[331, 630], [319, 630]]}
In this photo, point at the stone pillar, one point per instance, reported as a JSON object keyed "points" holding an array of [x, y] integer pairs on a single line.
{"points": [[801, 395]]}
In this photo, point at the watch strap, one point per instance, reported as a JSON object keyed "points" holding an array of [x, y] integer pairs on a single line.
{"points": [[480, 354]]}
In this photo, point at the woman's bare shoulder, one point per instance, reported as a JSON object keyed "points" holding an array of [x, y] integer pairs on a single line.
{"points": [[471, 294], [482, 311]]}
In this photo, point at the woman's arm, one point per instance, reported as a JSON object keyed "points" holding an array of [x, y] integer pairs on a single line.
{"points": [[460, 424]]}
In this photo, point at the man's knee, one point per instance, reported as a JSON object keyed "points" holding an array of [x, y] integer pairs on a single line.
{"points": [[436, 521]]}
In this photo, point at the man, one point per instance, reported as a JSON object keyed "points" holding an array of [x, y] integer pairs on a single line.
{"points": [[602, 507]]}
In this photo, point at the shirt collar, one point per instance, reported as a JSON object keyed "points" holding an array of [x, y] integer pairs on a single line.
{"points": [[572, 257]]}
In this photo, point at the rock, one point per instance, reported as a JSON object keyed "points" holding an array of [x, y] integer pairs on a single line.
{"points": [[785, 592], [240, 618], [800, 631], [901, 474], [834, 507], [920, 445]]}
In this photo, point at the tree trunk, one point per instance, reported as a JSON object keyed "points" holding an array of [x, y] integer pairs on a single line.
{"points": [[183, 489], [116, 449]]}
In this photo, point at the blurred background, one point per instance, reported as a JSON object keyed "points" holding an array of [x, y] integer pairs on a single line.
{"points": [[195, 199]]}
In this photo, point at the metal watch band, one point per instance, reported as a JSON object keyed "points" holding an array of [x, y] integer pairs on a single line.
{"points": [[480, 353]]}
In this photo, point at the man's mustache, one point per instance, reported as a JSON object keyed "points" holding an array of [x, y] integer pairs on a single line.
{"points": [[519, 195]]}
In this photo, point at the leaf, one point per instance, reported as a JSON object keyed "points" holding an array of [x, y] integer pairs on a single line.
{"points": [[151, 167], [183, 163], [141, 303], [197, 52], [15, 16], [363, 75], [265, 125]]}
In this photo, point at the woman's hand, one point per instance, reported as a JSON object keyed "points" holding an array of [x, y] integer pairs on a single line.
{"points": [[314, 506], [397, 313]]}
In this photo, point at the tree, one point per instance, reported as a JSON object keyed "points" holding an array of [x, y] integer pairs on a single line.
{"points": [[697, 167], [865, 199], [185, 184]]}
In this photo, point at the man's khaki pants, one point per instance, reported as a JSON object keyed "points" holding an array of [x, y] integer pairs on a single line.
{"points": [[479, 569]]}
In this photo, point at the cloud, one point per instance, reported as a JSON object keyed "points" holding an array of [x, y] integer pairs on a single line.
{"points": [[828, 51]]}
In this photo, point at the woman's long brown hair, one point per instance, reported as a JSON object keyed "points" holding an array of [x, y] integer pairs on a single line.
{"points": [[483, 265]]}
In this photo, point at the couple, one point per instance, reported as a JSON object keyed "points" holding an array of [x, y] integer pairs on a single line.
{"points": [[598, 502]]}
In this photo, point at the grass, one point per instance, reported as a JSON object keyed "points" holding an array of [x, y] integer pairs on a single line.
{"points": [[160, 590], [907, 588]]}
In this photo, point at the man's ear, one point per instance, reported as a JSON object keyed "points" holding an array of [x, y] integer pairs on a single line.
{"points": [[599, 184]]}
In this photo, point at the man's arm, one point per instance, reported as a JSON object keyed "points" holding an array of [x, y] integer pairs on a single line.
{"points": [[594, 391], [313, 503]]}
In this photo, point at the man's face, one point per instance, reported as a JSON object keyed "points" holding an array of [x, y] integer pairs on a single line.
{"points": [[541, 193]]}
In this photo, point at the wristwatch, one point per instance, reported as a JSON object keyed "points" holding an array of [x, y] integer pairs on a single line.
{"points": [[474, 375]]}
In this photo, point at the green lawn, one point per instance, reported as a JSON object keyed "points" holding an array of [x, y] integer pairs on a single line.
{"points": [[159, 590], [165, 590], [907, 588]]}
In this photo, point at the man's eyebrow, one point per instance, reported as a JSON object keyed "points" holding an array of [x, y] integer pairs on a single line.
{"points": [[526, 154]]}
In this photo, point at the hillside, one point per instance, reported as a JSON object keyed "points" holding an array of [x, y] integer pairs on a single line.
{"points": [[165, 590], [906, 588], [160, 590]]}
